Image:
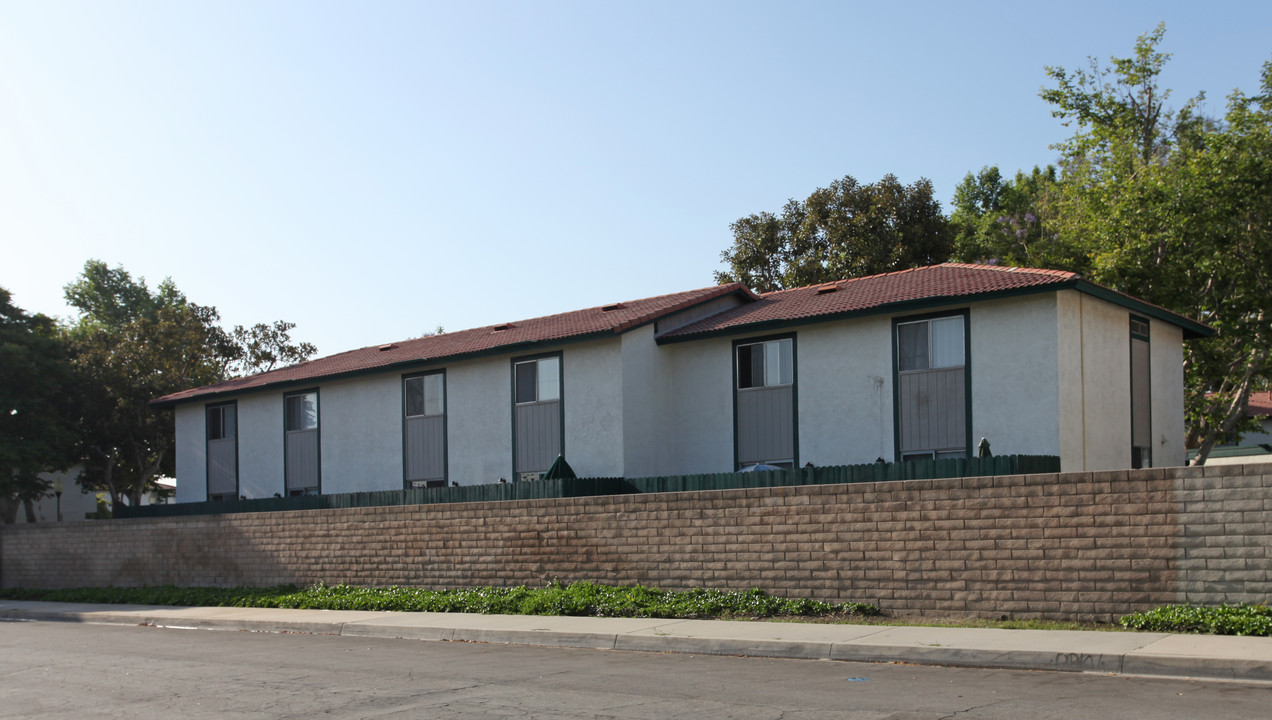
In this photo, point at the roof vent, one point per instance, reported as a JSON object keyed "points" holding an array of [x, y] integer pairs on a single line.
{"points": [[611, 308], [826, 289], [388, 346], [504, 326]]}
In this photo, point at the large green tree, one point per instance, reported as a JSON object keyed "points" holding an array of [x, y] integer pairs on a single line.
{"points": [[1010, 220], [845, 230], [130, 345], [1174, 208], [35, 408]]}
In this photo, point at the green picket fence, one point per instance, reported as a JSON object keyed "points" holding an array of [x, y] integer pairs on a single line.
{"points": [[587, 487]]}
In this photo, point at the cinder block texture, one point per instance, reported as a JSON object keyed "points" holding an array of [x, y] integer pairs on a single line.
{"points": [[1067, 546]]}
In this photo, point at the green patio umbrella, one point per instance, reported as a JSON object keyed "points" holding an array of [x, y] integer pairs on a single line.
{"points": [[560, 470]]}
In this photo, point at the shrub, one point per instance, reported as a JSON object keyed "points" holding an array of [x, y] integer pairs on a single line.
{"points": [[579, 598], [1221, 620]]}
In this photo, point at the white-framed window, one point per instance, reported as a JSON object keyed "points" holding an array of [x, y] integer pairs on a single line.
{"points": [[301, 455], [930, 344], [300, 411], [1141, 395], [425, 395], [769, 363], [537, 418], [222, 451], [931, 363], [424, 429], [764, 402], [538, 380]]}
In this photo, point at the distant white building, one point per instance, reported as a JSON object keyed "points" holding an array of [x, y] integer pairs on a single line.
{"points": [[915, 364], [76, 504], [1251, 447]]}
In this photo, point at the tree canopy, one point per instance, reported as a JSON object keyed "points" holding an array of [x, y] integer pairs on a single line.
{"points": [[841, 231], [36, 413], [1175, 209], [130, 345]]}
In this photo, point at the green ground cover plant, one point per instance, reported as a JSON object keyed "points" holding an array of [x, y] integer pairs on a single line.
{"points": [[577, 598], [1221, 620]]}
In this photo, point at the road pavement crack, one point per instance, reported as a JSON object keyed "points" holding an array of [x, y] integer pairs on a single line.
{"points": [[970, 709]]}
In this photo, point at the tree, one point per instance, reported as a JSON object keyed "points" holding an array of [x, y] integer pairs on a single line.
{"points": [[35, 423], [130, 345], [842, 231], [1173, 208], [1010, 221]]}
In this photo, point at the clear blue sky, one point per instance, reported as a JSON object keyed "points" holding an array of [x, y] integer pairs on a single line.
{"points": [[370, 170]]}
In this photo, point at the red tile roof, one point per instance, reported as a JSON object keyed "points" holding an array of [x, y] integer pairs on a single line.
{"points": [[876, 293], [856, 295], [1260, 404], [619, 318]]}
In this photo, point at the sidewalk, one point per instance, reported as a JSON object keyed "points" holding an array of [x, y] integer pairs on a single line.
{"points": [[1155, 654]]}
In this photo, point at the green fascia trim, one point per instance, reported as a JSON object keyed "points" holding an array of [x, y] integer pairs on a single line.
{"points": [[1192, 329]]}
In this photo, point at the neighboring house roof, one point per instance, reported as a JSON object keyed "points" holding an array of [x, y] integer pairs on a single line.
{"points": [[1260, 404], [891, 292]]}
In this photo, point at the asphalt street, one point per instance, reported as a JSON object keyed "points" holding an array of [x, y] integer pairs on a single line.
{"points": [[76, 670]]}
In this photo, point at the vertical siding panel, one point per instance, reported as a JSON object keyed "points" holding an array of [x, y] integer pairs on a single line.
{"points": [[222, 475], [302, 459], [426, 447], [538, 433], [766, 424]]}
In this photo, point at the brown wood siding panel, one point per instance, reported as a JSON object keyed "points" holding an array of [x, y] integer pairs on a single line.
{"points": [[1141, 394], [426, 448], [302, 459], [766, 424], [933, 408], [222, 466], [538, 429]]}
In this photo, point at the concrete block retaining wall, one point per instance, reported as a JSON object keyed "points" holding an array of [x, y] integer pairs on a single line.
{"points": [[1061, 546]]}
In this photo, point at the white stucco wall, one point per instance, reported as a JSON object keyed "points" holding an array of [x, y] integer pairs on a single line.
{"points": [[592, 397], [1106, 372], [1095, 363], [696, 430], [844, 385], [1072, 399], [645, 373], [479, 421], [260, 444], [1015, 365], [360, 433], [191, 449]]}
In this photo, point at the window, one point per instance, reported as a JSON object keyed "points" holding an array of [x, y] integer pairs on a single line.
{"points": [[300, 443], [301, 411], [424, 430], [764, 402], [222, 451], [536, 417], [425, 395], [1141, 396], [766, 364], [931, 388], [539, 380]]}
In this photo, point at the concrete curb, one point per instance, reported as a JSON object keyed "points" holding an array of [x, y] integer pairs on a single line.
{"points": [[1145, 654]]}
